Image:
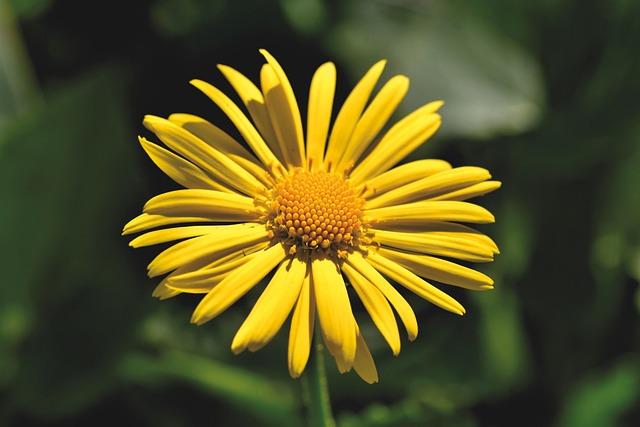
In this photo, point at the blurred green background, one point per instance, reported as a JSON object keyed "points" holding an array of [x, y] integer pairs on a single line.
{"points": [[544, 94]]}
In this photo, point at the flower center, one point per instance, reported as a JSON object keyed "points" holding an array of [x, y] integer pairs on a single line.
{"points": [[316, 210]]}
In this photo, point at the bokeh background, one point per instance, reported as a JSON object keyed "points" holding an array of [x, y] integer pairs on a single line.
{"points": [[545, 94]]}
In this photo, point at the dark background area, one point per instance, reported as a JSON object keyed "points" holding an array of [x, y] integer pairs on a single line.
{"points": [[544, 94]]}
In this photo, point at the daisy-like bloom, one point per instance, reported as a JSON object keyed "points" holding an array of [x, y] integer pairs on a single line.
{"points": [[312, 214]]}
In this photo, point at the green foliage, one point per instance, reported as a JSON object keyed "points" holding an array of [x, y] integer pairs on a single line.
{"points": [[17, 88], [306, 16], [271, 402], [58, 168], [29, 8], [490, 85], [602, 398]]}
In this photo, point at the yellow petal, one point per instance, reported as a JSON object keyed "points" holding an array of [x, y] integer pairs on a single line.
{"points": [[350, 114], [356, 262], [446, 229], [202, 287], [334, 308], [221, 141], [433, 185], [185, 278], [203, 280], [238, 283], [476, 190], [211, 135], [274, 96], [278, 108], [404, 137], [272, 308], [201, 275], [209, 159], [301, 333], [373, 120], [402, 175], [377, 306], [323, 85], [207, 246], [232, 255], [420, 213], [432, 107], [146, 221], [439, 269], [180, 170], [463, 232], [336, 353], [244, 126], [414, 283], [254, 102], [244, 87], [178, 233], [363, 364], [434, 243], [163, 291], [285, 114], [211, 204]]}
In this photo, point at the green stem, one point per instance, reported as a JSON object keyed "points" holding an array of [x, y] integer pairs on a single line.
{"points": [[316, 389]]}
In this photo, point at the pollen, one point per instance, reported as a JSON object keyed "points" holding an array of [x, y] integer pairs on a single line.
{"points": [[317, 211]]}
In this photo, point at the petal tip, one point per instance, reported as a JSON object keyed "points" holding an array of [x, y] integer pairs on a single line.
{"points": [[264, 52], [150, 118], [236, 348], [197, 83], [196, 318], [330, 65], [296, 369]]}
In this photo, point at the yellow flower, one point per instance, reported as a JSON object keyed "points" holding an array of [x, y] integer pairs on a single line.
{"points": [[322, 211]]}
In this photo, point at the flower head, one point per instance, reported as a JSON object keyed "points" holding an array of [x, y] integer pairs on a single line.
{"points": [[313, 213]]}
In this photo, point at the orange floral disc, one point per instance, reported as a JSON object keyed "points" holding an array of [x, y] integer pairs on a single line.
{"points": [[317, 210]]}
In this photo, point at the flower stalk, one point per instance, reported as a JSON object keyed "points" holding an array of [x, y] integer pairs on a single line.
{"points": [[316, 389]]}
